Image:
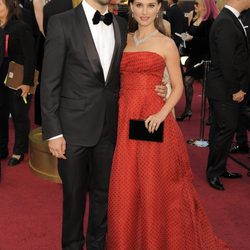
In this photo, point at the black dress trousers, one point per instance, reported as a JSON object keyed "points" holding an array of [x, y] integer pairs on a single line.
{"points": [[11, 103]]}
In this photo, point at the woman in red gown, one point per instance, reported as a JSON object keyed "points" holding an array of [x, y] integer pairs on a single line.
{"points": [[152, 202]]}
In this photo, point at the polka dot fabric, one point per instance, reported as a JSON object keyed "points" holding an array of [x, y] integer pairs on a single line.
{"points": [[152, 201]]}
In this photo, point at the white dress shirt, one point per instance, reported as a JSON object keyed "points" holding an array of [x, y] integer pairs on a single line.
{"points": [[104, 39], [103, 36]]}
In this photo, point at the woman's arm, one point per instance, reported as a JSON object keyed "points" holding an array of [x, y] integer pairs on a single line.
{"points": [[173, 66]]}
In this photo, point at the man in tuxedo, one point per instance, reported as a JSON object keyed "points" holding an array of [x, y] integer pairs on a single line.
{"points": [[177, 20], [79, 103], [227, 85]]}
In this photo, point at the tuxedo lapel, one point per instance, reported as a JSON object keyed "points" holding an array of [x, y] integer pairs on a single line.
{"points": [[88, 43], [117, 50], [237, 23]]}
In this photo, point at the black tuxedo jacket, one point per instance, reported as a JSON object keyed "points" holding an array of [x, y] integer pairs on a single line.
{"points": [[230, 59], [75, 99], [177, 22]]}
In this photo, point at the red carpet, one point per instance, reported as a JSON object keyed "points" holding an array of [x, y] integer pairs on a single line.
{"points": [[30, 207]]}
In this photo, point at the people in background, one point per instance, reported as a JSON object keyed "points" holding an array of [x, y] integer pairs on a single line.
{"points": [[18, 47], [197, 42], [177, 20]]}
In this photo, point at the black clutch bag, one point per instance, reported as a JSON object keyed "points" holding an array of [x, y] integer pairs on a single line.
{"points": [[138, 131]]}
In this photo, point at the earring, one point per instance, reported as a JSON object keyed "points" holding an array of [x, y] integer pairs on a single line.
{"points": [[157, 15], [132, 15]]}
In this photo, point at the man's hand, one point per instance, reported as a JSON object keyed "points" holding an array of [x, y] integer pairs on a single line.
{"points": [[162, 90], [239, 96], [57, 147]]}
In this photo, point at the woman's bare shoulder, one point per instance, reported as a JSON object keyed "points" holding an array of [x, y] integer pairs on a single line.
{"points": [[166, 42]]}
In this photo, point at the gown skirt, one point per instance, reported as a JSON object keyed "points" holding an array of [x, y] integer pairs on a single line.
{"points": [[152, 201]]}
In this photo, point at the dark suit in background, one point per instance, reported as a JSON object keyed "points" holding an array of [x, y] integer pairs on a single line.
{"points": [[54, 7], [77, 102], [177, 22], [28, 17], [228, 75]]}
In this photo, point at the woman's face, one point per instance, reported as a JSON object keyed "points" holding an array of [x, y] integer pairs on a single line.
{"points": [[3, 10], [199, 6], [145, 11]]}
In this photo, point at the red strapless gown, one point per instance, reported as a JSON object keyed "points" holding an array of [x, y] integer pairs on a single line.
{"points": [[152, 202]]}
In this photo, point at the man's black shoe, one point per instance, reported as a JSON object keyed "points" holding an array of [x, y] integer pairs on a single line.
{"points": [[239, 149], [215, 182], [14, 161], [4, 155], [230, 175]]}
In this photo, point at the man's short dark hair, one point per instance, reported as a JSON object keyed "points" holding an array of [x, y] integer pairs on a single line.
{"points": [[175, 1]]}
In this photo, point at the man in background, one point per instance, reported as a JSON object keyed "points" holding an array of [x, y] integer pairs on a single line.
{"points": [[177, 20], [227, 85]]}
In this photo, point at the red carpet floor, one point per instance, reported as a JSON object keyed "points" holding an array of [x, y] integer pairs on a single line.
{"points": [[30, 207]]}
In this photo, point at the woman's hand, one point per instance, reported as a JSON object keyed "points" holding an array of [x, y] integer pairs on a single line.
{"points": [[25, 90], [153, 122]]}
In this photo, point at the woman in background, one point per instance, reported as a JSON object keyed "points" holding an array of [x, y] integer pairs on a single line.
{"points": [[152, 201], [197, 41], [19, 47]]}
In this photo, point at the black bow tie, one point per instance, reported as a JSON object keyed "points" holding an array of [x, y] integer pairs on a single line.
{"points": [[107, 18]]}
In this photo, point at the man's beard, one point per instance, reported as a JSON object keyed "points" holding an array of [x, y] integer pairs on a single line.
{"points": [[103, 2]]}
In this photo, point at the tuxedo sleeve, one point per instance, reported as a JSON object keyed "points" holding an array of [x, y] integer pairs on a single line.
{"points": [[226, 45], [53, 66]]}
